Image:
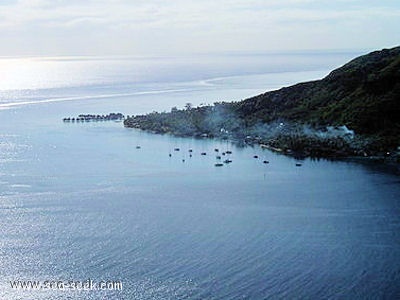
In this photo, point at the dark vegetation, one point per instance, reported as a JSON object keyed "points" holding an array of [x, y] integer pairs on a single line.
{"points": [[355, 110]]}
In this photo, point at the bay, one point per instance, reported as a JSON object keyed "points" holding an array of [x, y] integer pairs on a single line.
{"points": [[80, 201]]}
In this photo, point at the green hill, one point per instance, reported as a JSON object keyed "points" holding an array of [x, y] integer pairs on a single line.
{"points": [[363, 95]]}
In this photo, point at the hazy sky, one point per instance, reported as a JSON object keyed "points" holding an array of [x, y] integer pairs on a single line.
{"points": [[153, 27]]}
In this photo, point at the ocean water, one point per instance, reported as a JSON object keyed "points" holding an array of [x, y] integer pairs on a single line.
{"points": [[78, 201]]}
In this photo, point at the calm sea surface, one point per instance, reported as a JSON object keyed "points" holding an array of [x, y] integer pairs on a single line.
{"points": [[79, 201]]}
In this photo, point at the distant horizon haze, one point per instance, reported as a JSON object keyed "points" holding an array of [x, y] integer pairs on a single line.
{"points": [[158, 28]]}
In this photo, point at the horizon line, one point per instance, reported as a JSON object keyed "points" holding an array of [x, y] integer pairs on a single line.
{"points": [[216, 53]]}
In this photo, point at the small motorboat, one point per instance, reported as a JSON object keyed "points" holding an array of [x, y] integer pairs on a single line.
{"points": [[218, 157], [218, 165], [298, 164], [228, 152], [266, 162], [177, 149], [227, 161], [255, 156], [138, 147], [203, 153]]}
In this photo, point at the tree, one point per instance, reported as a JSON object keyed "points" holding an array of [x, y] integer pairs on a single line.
{"points": [[188, 106]]}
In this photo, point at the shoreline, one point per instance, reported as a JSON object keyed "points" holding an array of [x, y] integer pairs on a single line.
{"points": [[392, 160]]}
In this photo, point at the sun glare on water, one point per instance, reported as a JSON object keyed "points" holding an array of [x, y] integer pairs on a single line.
{"points": [[42, 73]]}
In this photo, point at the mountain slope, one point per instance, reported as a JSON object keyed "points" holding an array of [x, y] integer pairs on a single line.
{"points": [[364, 94]]}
